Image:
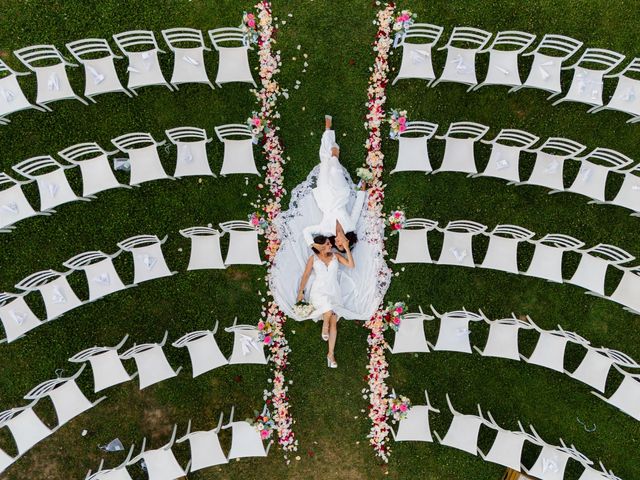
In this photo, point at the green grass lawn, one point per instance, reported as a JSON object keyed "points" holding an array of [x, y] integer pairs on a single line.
{"points": [[327, 404]]}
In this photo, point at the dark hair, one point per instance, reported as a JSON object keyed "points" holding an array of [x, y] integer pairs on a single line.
{"points": [[351, 237], [319, 239]]}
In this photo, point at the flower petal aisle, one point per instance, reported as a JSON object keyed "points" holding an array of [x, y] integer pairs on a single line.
{"points": [[378, 367], [269, 206]]}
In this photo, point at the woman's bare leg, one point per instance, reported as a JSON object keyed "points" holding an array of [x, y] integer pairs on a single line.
{"points": [[333, 335], [325, 322]]}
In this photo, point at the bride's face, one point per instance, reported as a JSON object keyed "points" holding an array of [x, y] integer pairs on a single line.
{"points": [[326, 246]]}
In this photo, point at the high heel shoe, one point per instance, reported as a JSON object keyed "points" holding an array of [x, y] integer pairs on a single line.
{"points": [[331, 364], [325, 336]]}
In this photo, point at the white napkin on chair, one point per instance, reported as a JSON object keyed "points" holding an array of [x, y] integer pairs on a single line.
{"points": [[18, 317], [459, 255], [585, 173], [8, 95], [190, 60], [552, 167], [57, 296], [149, 261], [419, 56], [54, 82], [247, 344], [11, 207], [102, 279], [98, 78], [53, 189], [187, 156]]}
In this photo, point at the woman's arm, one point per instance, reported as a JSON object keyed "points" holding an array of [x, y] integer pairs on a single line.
{"points": [[347, 262], [304, 279]]}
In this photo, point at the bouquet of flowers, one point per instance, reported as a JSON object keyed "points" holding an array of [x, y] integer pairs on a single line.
{"points": [[256, 124], [259, 221], [303, 309], [398, 122], [250, 27], [403, 21], [365, 175], [265, 332], [397, 407], [264, 424], [393, 315], [396, 220]]}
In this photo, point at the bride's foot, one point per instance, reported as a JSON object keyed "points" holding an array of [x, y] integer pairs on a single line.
{"points": [[331, 362], [325, 330], [327, 122]]}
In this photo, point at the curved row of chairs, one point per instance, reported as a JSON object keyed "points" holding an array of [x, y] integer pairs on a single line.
{"points": [[545, 73], [502, 254], [549, 352], [143, 160], [205, 452], [28, 429], [141, 49], [507, 447], [461, 138], [102, 278]]}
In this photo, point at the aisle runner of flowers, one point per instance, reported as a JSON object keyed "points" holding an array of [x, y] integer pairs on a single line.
{"points": [[263, 123]]}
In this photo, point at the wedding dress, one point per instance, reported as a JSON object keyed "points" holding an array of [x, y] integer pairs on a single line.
{"points": [[361, 288], [325, 294]]}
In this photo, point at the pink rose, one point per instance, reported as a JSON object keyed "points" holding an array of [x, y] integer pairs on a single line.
{"points": [[260, 325], [267, 340], [397, 214], [403, 127], [396, 320], [403, 408], [264, 434], [398, 310], [402, 120], [396, 226], [256, 122]]}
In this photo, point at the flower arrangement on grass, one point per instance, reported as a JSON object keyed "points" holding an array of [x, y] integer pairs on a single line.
{"points": [[396, 220], [249, 27], [265, 330], [256, 124], [398, 122], [258, 220], [264, 424], [393, 314], [403, 21], [397, 407]]}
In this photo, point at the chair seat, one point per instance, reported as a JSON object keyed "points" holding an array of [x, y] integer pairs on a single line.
{"points": [[192, 159], [144, 69], [103, 279], [586, 87], [189, 66], [413, 155], [162, 465], [107, 370], [459, 156], [149, 263], [58, 298], [591, 181], [54, 189], [145, 165], [153, 367], [629, 194], [205, 355], [416, 61], [101, 76], [233, 65], [545, 73], [548, 171], [12, 98], [14, 206], [626, 97], [205, 450], [504, 163], [205, 253], [413, 247], [97, 176], [238, 157], [503, 68], [245, 441], [415, 426], [17, 319], [460, 66], [53, 84]]}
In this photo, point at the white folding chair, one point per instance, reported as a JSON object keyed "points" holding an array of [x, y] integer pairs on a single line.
{"points": [[67, 398], [14, 205], [53, 82], [144, 67], [463, 431], [627, 293], [6, 460], [506, 449], [503, 58], [596, 364], [552, 460], [453, 335], [413, 152], [160, 463], [93, 161], [457, 247], [203, 350], [626, 97], [16, 316], [205, 248], [144, 159], [245, 439], [587, 84], [415, 426], [106, 365], [550, 348], [410, 336], [12, 98], [233, 61], [628, 195], [100, 74], [58, 296], [53, 185], [27, 429], [548, 57], [502, 252], [412, 241], [205, 447], [548, 171], [460, 66], [459, 155], [503, 338], [594, 262], [504, 161], [191, 159], [118, 473], [187, 45], [237, 139], [243, 243], [590, 473], [627, 396], [247, 349], [148, 259], [102, 277], [547, 256], [153, 366], [416, 53], [592, 177]]}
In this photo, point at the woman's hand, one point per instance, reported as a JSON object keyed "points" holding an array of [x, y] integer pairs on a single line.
{"points": [[341, 241], [300, 297]]}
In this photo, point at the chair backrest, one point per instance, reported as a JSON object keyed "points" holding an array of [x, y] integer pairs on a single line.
{"points": [[131, 243], [564, 146], [420, 223], [469, 35], [31, 168], [136, 349], [424, 32], [633, 66], [135, 38], [233, 130], [134, 140], [87, 258], [227, 34], [465, 226], [565, 46], [174, 36], [611, 253], [517, 138], [611, 158], [87, 353], [513, 231], [460, 314], [87, 48], [599, 56], [199, 231], [38, 279], [29, 56], [6, 68], [6, 179], [46, 387], [467, 130], [561, 241], [508, 39], [426, 129], [180, 134], [238, 225], [74, 153]]}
